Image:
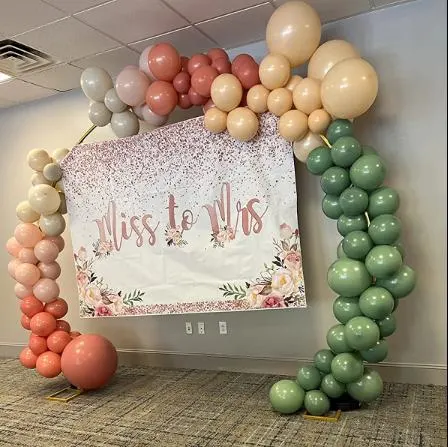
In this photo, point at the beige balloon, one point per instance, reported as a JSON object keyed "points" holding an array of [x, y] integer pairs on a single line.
{"points": [[52, 225], [293, 125], [25, 213], [38, 179], [226, 92], [328, 55], [274, 71], [60, 186], [318, 121], [303, 147], [38, 159], [257, 98], [44, 199], [215, 120], [242, 124], [294, 31], [52, 172], [306, 96], [279, 101], [59, 154], [293, 82], [63, 206], [350, 88]]}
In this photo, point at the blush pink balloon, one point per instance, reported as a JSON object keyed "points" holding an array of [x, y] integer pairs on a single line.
{"points": [[143, 63], [27, 255], [25, 322], [37, 344], [222, 65], [48, 364], [12, 266], [202, 79], [46, 290], [216, 53], [161, 97], [43, 324], [195, 98], [51, 270], [62, 325], [27, 234], [13, 247], [27, 274], [58, 240], [89, 361], [197, 61], [22, 291], [164, 61], [181, 82], [75, 334], [58, 308], [131, 86], [31, 306], [184, 63], [46, 251], [184, 101], [152, 118], [28, 358], [58, 340]]}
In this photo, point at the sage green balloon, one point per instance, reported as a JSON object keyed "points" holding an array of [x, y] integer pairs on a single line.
{"points": [[319, 160], [361, 333], [308, 377], [348, 277], [376, 303], [286, 396], [383, 200], [368, 388], [369, 150], [331, 207], [385, 229], [340, 251], [383, 261], [376, 353], [401, 283], [357, 244], [399, 246], [336, 339], [353, 201], [368, 172], [322, 360], [317, 403], [347, 224], [339, 128], [345, 308], [387, 326], [396, 303], [347, 367], [334, 180], [345, 151], [331, 387]]}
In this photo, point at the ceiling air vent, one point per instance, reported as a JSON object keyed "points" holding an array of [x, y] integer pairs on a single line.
{"points": [[17, 59]]}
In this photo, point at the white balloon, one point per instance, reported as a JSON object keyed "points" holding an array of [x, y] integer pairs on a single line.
{"points": [[125, 124], [99, 114], [38, 159], [303, 147], [38, 179], [95, 82], [52, 172], [63, 206], [59, 154], [143, 63], [52, 225], [113, 102], [152, 118], [138, 110], [44, 199], [25, 213]]}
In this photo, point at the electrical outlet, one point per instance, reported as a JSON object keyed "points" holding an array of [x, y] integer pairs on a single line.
{"points": [[188, 327], [222, 327], [201, 328]]}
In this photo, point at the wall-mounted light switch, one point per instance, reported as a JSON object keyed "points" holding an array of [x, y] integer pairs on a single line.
{"points": [[201, 328], [188, 327]]}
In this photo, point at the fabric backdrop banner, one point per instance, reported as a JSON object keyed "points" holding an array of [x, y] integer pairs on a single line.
{"points": [[179, 220]]}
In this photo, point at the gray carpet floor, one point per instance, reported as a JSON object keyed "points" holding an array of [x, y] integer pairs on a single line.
{"points": [[190, 408]]}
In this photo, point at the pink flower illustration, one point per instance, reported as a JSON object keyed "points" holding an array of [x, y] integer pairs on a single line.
{"points": [[115, 302], [253, 295], [82, 253], [92, 296], [283, 282], [292, 261], [102, 311], [104, 247], [286, 231], [82, 279], [273, 300]]}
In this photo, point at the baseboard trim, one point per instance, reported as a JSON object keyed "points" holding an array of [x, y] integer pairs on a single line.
{"points": [[417, 373]]}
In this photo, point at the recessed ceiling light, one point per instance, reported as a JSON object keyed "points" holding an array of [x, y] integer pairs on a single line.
{"points": [[4, 77]]}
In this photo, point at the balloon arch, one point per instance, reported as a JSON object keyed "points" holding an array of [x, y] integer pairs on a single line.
{"points": [[315, 115]]}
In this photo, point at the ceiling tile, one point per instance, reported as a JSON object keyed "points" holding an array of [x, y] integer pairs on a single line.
{"points": [[60, 77], [132, 20], [379, 3], [67, 40], [187, 41], [4, 103], [199, 10], [19, 16], [20, 91], [72, 6], [112, 61], [240, 27]]}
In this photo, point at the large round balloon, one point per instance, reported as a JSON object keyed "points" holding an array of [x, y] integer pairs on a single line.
{"points": [[368, 388], [44, 199], [348, 277], [384, 200], [53, 224], [362, 333], [242, 124], [38, 159], [131, 85], [336, 339], [383, 261], [274, 71], [294, 31], [164, 61], [226, 92], [376, 302], [161, 97], [202, 79], [347, 367], [401, 283], [95, 82], [286, 396]]}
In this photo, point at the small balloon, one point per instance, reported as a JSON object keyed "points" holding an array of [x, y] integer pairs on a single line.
{"points": [[27, 234], [13, 247], [336, 339], [242, 124], [401, 283], [143, 65], [25, 213], [348, 277], [181, 82], [357, 244], [48, 364], [335, 180], [25, 322], [361, 333], [184, 101], [30, 306], [306, 96], [44, 199], [202, 79], [347, 367], [308, 377], [38, 179], [58, 340], [216, 53], [161, 97], [294, 80], [286, 396], [28, 358], [257, 98], [195, 98], [330, 205], [164, 61], [280, 102], [226, 92], [27, 255], [131, 85], [58, 308], [22, 291], [43, 324], [152, 118], [58, 240], [113, 102], [215, 120], [303, 147], [27, 274], [63, 325], [222, 65], [12, 267], [339, 128], [99, 114], [53, 224], [316, 402], [322, 360], [318, 121], [385, 229], [274, 71], [331, 387], [52, 172], [46, 290], [247, 72], [59, 154], [368, 388], [95, 82], [46, 251], [383, 261], [376, 303], [292, 125], [37, 344], [196, 61], [384, 200], [125, 124], [319, 160]]}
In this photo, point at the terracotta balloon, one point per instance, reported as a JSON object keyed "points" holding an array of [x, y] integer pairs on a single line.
{"points": [[279, 101], [51, 270], [46, 290], [239, 61], [27, 274], [318, 121], [89, 361], [208, 105], [27, 234], [22, 291], [226, 92], [184, 101], [28, 358], [13, 247], [257, 98], [216, 53], [202, 79], [184, 63], [75, 334], [215, 120], [294, 31], [222, 65], [48, 364], [27, 255], [37, 344], [181, 82], [247, 73], [293, 125], [25, 322], [31, 306], [294, 80], [43, 324], [58, 240], [161, 97], [46, 251], [131, 86], [306, 95], [242, 124], [58, 340], [274, 71], [349, 89], [196, 61], [58, 308], [63, 325], [164, 61], [195, 98], [328, 55], [303, 147], [12, 266]]}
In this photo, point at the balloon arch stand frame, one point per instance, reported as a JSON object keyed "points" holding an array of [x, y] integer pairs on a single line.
{"points": [[315, 114]]}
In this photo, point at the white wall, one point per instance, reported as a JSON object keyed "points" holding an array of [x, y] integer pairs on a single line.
{"points": [[407, 45]]}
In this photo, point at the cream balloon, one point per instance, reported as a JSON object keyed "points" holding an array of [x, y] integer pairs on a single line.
{"points": [[318, 121], [38, 179], [306, 95], [44, 199], [59, 154], [52, 225], [293, 125], [95, 82], [294, 31], [242, 124], [349, 89], [52, 172], [215, 120], [113, 102], [257, 98], [274, 71], [99, 114], [279, 101], [328, 55], [293, 82], [303, 147], [38, 159], [226, 92], [25, 213]]}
